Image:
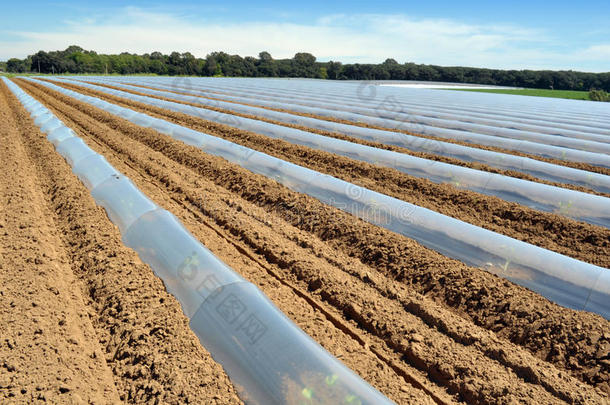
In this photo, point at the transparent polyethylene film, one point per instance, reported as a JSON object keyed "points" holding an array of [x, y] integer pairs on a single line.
{"points": [[276, 359], [370, 94], [400, 115], [93, 170], [273, 368], [58, 135], [600, 295], [582, 206], [535, 148], [567, 281], [74, 149], [543, 170], [388, 109], [189, 269], [50, 125], [123, 202], [42, 118], [578, 140]]}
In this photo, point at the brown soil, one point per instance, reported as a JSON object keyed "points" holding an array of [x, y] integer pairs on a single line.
{"points": [[49, 346], [418, 326], [580, 240]]}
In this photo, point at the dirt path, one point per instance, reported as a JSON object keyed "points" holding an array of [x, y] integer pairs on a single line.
{"points": [[140, 337], [450, 344], [572, 238]]}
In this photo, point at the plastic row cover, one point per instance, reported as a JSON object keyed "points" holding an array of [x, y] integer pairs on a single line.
{"points": [[578, 111], [491, 105], [582, 206], [543, 170], [566, 281], [389, 104], [556, 112], [266, 355], [453, 121], [585, 112], [253, 94], [582, 151]]}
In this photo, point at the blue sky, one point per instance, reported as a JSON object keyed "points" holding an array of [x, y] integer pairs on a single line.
{"points": [[511, 35]]}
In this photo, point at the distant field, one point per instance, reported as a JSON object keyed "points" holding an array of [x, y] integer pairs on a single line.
{"points": [[576, 95]]}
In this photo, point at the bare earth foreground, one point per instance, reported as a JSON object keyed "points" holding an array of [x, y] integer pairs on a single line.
{"points": [[83, 320]]}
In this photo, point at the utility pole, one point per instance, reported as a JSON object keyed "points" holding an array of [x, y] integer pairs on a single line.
{"points": [[53, 67], [106, 64]]}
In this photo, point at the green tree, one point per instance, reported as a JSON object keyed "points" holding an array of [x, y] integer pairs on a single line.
{"points": [[334, 69], [599, 95], [304, 65], [75, 59], [15, 65], [266, 66], [323, 73]]}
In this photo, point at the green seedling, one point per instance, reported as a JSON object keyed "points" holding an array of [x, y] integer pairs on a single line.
{"points": [[455, 180], [508, 261], [505, 265], [564, 208], [331, 379]]}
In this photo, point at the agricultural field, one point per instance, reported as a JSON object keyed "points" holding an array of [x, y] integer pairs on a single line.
{"points": [[569, 94], [221, 240]]}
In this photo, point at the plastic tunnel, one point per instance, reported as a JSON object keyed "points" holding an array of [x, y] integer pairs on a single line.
{"points": [[268, 358], [579, 205], [560, 147], [562, 279], [541, 169]]}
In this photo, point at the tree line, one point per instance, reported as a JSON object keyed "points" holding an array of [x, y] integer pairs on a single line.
{"points": [[76, 60]]}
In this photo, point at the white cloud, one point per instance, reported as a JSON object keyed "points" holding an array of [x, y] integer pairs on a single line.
{"points": [[597, 52], [348, 38]]}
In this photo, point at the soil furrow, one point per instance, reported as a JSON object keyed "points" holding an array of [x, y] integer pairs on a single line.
{"points": [[364, 242], [146, 340], [555, 232]]}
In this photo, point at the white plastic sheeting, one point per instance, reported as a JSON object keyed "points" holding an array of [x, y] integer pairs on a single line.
{"points": [[497, 110], [386, 109], [557, 147], [535, 133], [582, 206], [543, 170], [270, 360], [552, 111], [566, 281]]}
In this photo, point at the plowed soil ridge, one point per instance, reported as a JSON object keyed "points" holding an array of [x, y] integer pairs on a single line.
{"points": [[412, 307], [555, 232]]}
